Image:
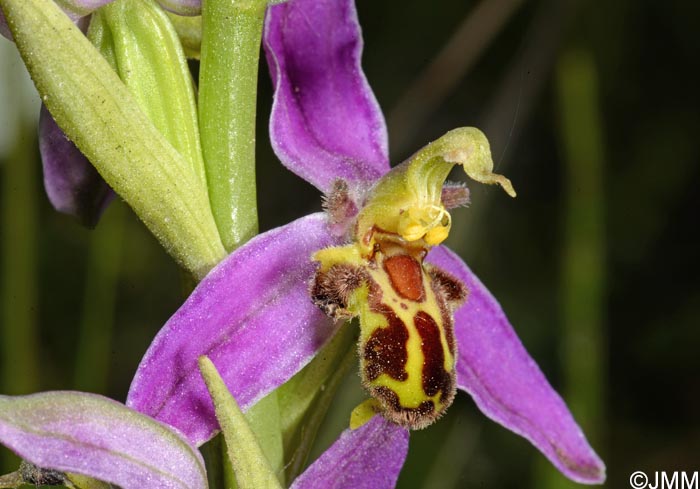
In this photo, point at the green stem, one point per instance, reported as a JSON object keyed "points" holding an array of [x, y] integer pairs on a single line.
{"points": [[231, 34], [228, 81], [104, 262]]}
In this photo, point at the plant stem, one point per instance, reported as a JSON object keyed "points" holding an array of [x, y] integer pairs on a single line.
{"points": [[231, 34]]}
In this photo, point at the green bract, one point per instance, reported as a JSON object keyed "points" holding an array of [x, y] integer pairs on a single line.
{"points": [[97, 111], [137, 37], [249, 463]]}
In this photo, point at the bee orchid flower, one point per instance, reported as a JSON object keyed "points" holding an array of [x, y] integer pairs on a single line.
{"points": [[428, 325]]}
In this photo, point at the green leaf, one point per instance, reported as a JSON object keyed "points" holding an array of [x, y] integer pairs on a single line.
{"points": [[304, 399], [96, 110], [264, 419], [251, 467]]}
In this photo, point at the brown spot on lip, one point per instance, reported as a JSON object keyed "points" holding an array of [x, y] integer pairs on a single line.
{"points": [[450, 289], [413, 418], [435, 377], [450, 294], [406, 276], [385, 350]]}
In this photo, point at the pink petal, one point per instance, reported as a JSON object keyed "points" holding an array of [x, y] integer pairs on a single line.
{"points": [[369, 457], [506, 383], [325, 123], [98, 437], [252, 316]]}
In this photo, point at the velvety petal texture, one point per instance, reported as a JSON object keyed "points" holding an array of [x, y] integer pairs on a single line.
{"points": [[369, 457], [251, 316], [326, 123], [95, 436], [506, 383], [71, 182]]}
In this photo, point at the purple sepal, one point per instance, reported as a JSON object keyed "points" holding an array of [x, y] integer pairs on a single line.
{"points": [[369, 457], [252, 316], [100, 438], [325, 123], [71, 182], [506, 383]]}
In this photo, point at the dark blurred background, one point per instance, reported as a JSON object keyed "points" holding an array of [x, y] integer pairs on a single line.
{"points": [[592, 109]]}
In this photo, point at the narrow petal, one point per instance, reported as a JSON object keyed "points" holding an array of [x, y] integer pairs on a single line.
{"points": [[506, 383], [71, 182], [369, 457], [325, 123], [95, 436], [252, 316]]}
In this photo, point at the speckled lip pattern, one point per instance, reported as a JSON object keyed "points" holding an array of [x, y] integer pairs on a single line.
{"points": [[252, 314], [326, 125]]}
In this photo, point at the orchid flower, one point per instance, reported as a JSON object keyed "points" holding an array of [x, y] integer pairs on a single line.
{"points": [[254, 314]]}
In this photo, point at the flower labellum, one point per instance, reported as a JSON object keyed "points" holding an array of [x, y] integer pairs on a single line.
{"points": [[407, 344], [370, 249]]}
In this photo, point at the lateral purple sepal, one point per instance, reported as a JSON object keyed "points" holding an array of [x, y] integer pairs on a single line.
{"points": [[326, 123], [369, 457], [252, 316], [72, 184], [100, 438], [506, 383]]}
